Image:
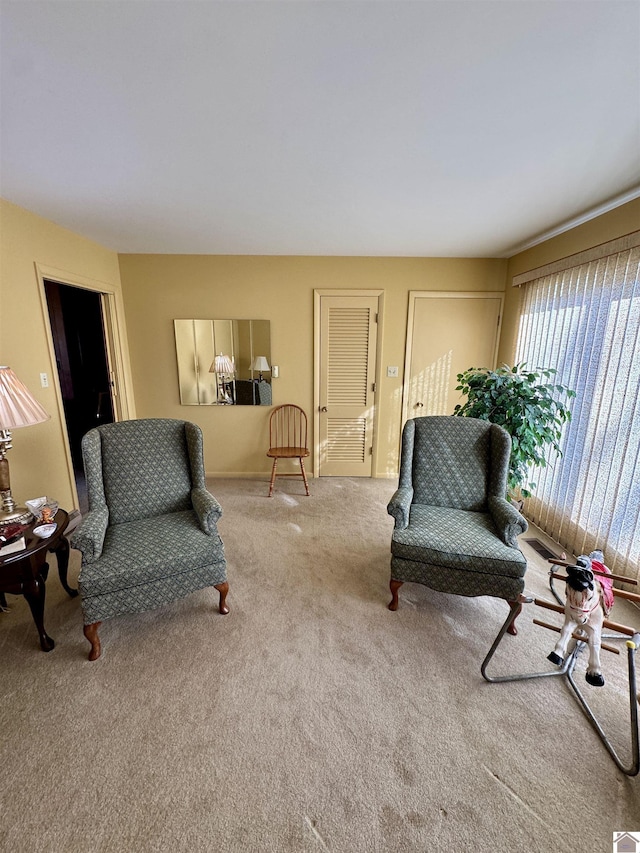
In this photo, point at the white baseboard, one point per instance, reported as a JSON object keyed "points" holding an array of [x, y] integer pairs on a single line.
{"points": [[265, 475], [245, 475]]}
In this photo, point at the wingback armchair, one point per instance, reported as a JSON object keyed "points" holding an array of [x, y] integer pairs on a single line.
{"points": [[151, 533], [454, 530]]}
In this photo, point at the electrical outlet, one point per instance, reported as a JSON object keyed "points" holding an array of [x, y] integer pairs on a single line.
{"points": [[44, 380], [392, 372]]}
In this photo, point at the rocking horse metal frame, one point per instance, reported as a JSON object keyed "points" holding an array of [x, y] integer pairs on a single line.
{"points": [[568, 666]]}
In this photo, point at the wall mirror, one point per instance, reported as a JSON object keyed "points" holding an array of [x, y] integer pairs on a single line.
{"points": [[224, 362]]}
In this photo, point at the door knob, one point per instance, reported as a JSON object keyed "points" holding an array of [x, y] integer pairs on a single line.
{"points": [[324, 409], [419, 405]]}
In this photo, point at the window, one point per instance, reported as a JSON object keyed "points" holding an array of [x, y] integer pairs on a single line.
{"points": [[583, 318]]}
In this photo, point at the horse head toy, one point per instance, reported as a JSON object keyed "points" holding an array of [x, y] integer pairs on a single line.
{"points": [[589, 599]]}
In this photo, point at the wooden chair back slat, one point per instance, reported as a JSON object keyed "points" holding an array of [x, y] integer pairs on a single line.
{"points": [[288, 427]]}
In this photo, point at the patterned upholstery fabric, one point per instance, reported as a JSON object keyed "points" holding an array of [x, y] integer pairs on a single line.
{"points": [[264, 393], [457, 539], [151, 533], [145, 469], [456, 582], [454, 530]]}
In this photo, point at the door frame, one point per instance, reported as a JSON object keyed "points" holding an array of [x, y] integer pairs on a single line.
{"points": [[414, 295], [317, 367], [115, 347]]}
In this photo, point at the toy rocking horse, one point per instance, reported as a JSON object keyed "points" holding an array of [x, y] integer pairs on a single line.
{"points": [[589, 599]]}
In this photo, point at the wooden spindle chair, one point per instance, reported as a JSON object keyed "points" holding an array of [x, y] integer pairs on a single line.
{"points": [[288, 440]]}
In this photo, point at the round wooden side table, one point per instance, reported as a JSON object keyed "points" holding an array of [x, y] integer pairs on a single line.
{"points": [[25, 572]]}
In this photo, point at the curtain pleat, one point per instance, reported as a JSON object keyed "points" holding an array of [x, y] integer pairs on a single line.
{"points": [[585, 323]]}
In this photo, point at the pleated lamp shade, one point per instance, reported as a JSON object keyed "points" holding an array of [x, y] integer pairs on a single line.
{"points": [[18, 408], [223, 364]]}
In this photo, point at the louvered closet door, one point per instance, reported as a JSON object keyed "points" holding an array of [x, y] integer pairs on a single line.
{"points": [[347, 363]]}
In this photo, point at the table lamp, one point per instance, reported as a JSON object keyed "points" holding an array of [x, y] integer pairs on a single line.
{"points": [[260, 363], [224, 368], [18, 408]]}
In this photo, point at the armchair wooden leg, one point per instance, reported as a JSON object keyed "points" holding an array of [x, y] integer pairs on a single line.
{"points": [[394, 586], [223, 589], [273, 476], [91, 633]]}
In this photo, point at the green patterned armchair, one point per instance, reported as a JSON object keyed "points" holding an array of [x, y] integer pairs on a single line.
{"points": [[151, 533], [454, 529]]}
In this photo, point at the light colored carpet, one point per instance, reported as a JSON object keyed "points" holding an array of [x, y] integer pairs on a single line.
{"points": [[311, 718]]}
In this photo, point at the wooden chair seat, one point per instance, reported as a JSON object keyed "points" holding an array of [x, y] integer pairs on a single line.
{"points": [[287, 452]]}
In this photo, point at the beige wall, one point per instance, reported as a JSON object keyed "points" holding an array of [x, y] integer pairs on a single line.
{"points": [[160, 288], [615, 223], [38, 461]]}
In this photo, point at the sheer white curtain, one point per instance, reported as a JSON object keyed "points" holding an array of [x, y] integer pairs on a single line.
{"points": [[584, 320]]}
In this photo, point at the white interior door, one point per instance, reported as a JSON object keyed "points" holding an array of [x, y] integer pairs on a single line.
{"points": [[447, 333], [346, 386]]}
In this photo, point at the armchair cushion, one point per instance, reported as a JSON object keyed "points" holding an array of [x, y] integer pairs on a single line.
{"points": [[136, 552], [456, 539], [150, 562]]}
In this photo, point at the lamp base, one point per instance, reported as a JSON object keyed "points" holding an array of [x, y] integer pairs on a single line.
{"points": [[18, 515]]}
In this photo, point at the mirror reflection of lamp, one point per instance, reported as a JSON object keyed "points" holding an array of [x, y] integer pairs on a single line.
{"points": [[260, 364], [224, 368], [18, 408]]}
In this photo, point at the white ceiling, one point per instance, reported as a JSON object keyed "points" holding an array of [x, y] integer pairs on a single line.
{"points": [[445, 128]]}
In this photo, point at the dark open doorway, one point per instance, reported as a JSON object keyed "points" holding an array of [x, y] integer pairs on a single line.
{"points": [[81, 356]]}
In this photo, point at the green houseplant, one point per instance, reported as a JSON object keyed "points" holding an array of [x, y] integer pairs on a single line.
{"points": [[528, 404]]}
